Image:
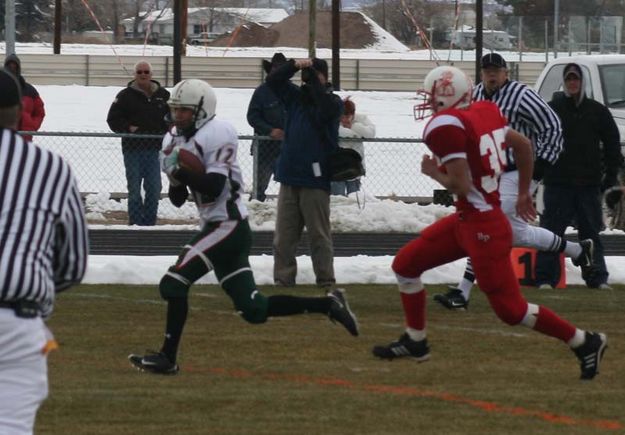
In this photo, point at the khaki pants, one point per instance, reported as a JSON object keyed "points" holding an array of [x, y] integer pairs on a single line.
{"points": [[300, 207]]}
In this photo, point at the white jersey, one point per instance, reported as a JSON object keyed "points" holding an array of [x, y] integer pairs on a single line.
{"points": [[216, 145]]}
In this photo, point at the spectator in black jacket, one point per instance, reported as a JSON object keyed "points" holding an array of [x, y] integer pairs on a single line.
{"points": [[141, 108], [587, 166], [266, 115]]}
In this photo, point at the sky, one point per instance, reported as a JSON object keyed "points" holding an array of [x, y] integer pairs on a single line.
{"points": [[81, 108]]}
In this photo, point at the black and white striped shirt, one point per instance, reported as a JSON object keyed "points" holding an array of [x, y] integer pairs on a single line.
{"points": [[43, 234], [528, 114]]}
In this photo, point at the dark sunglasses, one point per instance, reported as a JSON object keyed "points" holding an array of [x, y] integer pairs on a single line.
{"points": [[147, 71]]}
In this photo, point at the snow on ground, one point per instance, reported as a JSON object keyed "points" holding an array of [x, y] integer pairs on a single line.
{"points": [[362, 269]]}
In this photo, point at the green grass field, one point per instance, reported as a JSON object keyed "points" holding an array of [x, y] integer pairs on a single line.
{"points": [[306, 375]]}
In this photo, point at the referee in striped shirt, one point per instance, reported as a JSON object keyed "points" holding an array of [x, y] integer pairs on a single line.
{"points": [[530, 115], [43, 250]]}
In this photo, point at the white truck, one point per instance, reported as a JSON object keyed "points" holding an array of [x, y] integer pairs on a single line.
{"points": [[604, 77]]}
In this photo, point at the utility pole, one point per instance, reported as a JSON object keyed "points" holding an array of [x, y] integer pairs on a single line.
{"points": [[479, 31], [556, 23], [184, 13], [336, 45], [384, 14], [177, 41], [57, 26], [9, 26], [312, 28]]}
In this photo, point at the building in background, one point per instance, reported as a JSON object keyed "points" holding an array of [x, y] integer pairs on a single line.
{"points": [[464, 38], [207, 22]]}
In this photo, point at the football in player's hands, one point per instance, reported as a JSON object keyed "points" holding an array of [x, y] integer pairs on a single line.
{"points": [[189, 161]]}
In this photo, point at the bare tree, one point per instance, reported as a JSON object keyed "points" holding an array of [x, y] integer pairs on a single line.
{"points": [[138, 6], [395, 13], [31, 17]]}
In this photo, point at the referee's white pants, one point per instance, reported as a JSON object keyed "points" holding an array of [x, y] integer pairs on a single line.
{"points": [[23, 372], [523, 234]]}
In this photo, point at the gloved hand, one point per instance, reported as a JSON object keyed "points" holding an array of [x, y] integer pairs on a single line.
{"points": [[169, 164]]}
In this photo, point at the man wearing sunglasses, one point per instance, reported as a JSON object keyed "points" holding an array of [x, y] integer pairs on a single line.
{"points": [[140, 108]]}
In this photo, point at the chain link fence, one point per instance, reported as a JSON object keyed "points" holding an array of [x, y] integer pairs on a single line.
{"points": [[392, 164]]}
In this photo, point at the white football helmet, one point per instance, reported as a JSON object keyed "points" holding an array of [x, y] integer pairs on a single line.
{"points": [[444, 87], [197, 95]]}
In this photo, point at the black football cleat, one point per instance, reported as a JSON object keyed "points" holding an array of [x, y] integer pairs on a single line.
{"points": [[340, 312], [591, 353], [452, 300], [404, 347], [154, 362], [585, 259]]}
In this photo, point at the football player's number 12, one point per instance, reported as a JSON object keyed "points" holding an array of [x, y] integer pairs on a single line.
{"points": [[491, 145]]}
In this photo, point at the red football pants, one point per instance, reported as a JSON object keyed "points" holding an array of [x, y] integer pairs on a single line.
{"points": [[486, 238]]}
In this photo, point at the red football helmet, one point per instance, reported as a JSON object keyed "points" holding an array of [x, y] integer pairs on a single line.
{"points": [[444, 87]]}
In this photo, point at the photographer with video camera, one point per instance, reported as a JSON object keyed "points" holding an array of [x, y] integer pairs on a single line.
{"points": [[311, 129]]}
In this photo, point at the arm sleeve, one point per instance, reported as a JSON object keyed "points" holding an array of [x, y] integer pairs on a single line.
{"points": [[255, 116], [211, 184], [26, 122], [39, 112], [611, 140], [363, 127], [178, 194], [280, 84], [544, 121], [328, 106], [447, 142], [70, 241], [117, 118], [347, 132]]}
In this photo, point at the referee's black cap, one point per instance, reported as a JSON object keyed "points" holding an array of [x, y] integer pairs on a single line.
{"points": [[493, 59], [10, 94]]}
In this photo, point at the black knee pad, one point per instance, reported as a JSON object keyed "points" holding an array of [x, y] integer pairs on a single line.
{"points": [[170, 287]]}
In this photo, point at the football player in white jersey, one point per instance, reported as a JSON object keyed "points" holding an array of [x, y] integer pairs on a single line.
{"points": [[225, 239]]}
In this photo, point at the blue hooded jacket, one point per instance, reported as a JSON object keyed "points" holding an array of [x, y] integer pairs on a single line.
{"points": [[311, 129]]}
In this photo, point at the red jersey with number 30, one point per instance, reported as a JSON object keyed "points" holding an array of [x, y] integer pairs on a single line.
{"points": [[476, 134]]}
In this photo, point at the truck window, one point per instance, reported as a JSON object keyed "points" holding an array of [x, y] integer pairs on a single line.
{"points": [[552, 82], [613, 84]]}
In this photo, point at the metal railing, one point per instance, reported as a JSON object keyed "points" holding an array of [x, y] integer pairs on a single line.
{"points": [[392, 165]]}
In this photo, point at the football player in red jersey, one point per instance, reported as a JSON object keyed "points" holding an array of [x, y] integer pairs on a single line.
{"points": [[468, 142]]}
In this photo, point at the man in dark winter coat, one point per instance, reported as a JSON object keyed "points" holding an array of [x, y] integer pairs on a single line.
{"points": [[33, 110], [266, 115], [587, 166], [310, 136], [141, 108]]}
